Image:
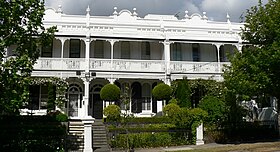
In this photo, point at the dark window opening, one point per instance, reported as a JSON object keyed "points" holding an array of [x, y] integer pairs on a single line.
{"points": [[196, 52], [75, 46]]}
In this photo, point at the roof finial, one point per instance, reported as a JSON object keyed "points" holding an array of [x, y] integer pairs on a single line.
{"points": [[115, 13], [186, 15], [228, 17], [134, 12], [204, 17], [59, 10], [88, 9]]}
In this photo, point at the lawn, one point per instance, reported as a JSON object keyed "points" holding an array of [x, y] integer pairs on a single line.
{"points": [[251, 147]]}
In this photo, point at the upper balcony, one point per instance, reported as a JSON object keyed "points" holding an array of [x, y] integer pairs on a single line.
{"points": [[133, 57]]}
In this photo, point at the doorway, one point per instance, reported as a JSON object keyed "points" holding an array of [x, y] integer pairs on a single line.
{"points": [[74, 94], [96, 102]]}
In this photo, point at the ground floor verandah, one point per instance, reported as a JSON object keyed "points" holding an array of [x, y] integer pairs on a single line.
{"points": [[141, 102]]}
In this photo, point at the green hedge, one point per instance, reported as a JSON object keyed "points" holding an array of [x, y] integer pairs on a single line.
{"points": [[145, 120], [143, 128], [31, 133], [144, 140]]}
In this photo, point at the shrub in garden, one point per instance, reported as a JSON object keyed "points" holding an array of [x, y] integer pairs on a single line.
{"points": [[173, 100], [215, 109], [162, 92], [110, 92], [182, 93], [113, 112], [172, 110]]}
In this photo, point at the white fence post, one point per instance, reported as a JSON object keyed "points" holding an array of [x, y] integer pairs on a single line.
{"points": [[88, 134], [199, 135]]}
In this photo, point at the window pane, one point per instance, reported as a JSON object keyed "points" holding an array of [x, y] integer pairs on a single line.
{"points": [[47, 51], [125, 50], [196, 52], [74, 48], [99, 49]]}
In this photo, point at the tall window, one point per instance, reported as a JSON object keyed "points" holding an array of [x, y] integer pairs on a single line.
{"points": [[176, 52], [47, 50], [99, 49], [146, 97], [222, 54], [75, 46], [125, 50], [196, 52], [145, 51]]}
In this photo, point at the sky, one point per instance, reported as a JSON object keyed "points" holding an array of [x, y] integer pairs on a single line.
{"points": [[215, 9]]}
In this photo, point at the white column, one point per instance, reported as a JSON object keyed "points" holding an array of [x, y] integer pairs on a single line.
{"points": [[62, 40], [199, 135], [218, 59], [159, 106], [86, 99], [88, 134], [166, 44], [87, 52]]}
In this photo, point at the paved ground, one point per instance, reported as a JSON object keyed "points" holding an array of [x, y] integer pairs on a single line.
{"points": [[201, 147], [175, 148]]}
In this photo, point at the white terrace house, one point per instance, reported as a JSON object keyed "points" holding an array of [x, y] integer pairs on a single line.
{"points": [[91, 51]]}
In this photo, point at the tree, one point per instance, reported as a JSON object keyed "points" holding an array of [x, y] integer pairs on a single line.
{"points": [[110, 92], [20, 25], [255, 71], [183, 93]]}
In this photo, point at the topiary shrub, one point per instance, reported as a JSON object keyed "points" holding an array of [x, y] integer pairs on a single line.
{"points": [[162, 92], [113, 113], [110, 92]]}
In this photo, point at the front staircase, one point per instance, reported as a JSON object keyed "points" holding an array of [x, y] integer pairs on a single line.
{"points": [[75, 142]]}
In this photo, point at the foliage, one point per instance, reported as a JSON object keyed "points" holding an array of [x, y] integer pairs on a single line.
{"points": [[144, 140], [207, 87], [173, 100], [162, 127], [255, 71], [60, 87], [113, 112], [147, 120], [21, 26], [215, 108], [110, 92], [60, 117], [51, 97], [172, 110], [31, 133], [162, 92], [182, 92]]}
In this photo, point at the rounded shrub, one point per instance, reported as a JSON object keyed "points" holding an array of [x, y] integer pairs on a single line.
{"points": [[113, 112], [162, 91], [172, 110], [110, 92]]}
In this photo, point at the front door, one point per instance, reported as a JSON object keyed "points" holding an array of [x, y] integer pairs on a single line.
{"points": [[73, 105], [97, 106]]}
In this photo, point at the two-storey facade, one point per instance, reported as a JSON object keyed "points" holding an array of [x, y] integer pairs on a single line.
{"points": [[91, 51]]}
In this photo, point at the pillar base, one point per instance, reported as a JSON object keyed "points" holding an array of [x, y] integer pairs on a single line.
{"points": [[88, 121], [199, 142]]}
